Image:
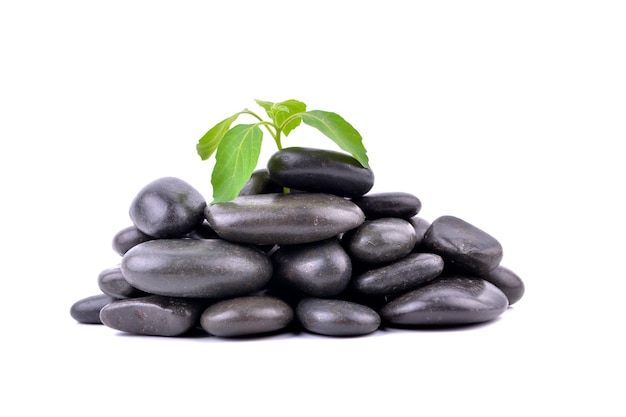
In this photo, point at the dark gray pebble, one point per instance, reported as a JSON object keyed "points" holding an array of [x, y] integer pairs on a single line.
{"points": [[87, 310], [111, 281], [320, 269], [167, 207], [380, 241], [127, 238], [389, 204], [210, 268], [260, 183], [421, 226], [447, 302], [246, 316], [406, 274], [463, 245], [283, 219], [204, 231], [508, 282], [153, 315], [336, 317], [320, 171]]}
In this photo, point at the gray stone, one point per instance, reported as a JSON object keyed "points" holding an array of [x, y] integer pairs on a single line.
{"points": [[127, 238], [320, 171], [336, 317], [508, 282], [380, 241], [260, 183], [246, 316], [421, 226], [389, 204], [463, 245], [111, 281], [210, 268], [167, 207], [447, 301], [283, 219], [320, 269], [153, 315], [87, 310], [406, 274]]}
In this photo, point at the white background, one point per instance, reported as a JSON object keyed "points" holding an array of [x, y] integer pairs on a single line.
{"points": [[506, 114]]}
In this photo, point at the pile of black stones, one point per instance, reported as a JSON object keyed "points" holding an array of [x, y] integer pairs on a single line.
{"points": [[305, 247]]}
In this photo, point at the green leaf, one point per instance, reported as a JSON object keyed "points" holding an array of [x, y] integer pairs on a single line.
{"points": [[286, 109], [268, 106], [236, 158], [210, 141], [339, 131]]}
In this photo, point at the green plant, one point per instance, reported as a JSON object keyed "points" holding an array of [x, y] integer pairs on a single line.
{"points": [[237, 148]]}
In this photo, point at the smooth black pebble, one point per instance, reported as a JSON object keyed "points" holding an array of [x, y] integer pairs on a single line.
{"points": [[87, 310], [508, 282], [332, 317], [389, 204]]}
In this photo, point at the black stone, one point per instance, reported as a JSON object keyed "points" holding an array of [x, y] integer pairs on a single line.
{"points": [[153, 315], [406, 274], [508, 282], [336, 317], [167, 207], [210, 268], [447, 301], [87, 310], [260, 183], [320, 269], [463, 245], [204, 231], [111, 281], [320, 171], [380, 241], [283, 219], [246, 316], [389, 204], [127, 238], [421, 226]]}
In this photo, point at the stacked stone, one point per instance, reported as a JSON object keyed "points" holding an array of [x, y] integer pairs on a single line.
{"points": [[328, 257]]}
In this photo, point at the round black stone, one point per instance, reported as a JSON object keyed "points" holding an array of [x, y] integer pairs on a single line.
{"points": [[336, 317]]}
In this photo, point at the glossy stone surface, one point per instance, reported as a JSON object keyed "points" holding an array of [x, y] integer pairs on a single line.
{"points": [[389, 204], [320, 171], [111, 281], [284, 219], [421, 226], [260, 183], [87, 310], [320, 269], [336, 317], [463, 245], [153, 315], [167, 207], [127, 238], [246, 316], [406, 274], [380, 241], [508, 282], [447, 302], [210, 268]]}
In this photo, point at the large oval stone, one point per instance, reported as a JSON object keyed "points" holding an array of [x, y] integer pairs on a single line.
{"points": [[111, 281], [406, 274], [447, 302], [153, 315], [167, 207], [320, 269], [320, 171], [336, 317], [389, 204], [246, 316], [211, 268], [381, 240], [87, 310], [508, 282], [463, 245], [284, 219]]}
